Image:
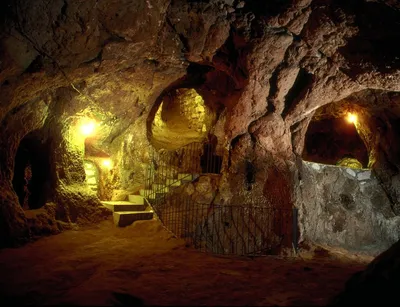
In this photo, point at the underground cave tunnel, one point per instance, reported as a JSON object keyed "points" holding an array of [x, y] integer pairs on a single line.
{"points": [[182, 117], [265, 88]]}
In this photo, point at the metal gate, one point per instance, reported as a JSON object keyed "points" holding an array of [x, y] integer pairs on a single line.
{"points": [[230, 229]]}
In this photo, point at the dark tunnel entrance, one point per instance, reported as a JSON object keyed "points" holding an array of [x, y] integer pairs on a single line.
{"points": [[210, 161], [31, 172], [359, 131], [336, 134], [336, 142]]}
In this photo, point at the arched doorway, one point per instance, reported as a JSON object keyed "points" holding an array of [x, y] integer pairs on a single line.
{"points": [[31, 180], [179, 118], [334, 141], [333, 136]]}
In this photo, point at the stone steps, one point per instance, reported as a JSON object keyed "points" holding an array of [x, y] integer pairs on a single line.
{"points": [[137, 199], [134, 209], [126, 213], [160, 188], [123, 219], [124, 206], [91, 176]]}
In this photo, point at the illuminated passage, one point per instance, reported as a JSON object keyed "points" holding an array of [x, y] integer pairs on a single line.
{"points": [[181, 118], [332, 138]]}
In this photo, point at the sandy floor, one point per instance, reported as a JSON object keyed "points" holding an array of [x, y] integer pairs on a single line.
{"points": [[86, 267]]}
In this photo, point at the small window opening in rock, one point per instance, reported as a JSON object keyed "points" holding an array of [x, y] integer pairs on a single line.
{"points": [[210, 162], [250, 175], [31, 180], [333, 139], [179, 118]]}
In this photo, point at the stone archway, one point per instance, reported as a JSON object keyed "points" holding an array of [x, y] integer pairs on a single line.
{"points": [[181, 117], [371, 138], [332, 140]]}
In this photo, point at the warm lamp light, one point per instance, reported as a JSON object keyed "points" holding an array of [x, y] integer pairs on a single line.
{"points": [[87, 128], [351, 118], [107, 163]]}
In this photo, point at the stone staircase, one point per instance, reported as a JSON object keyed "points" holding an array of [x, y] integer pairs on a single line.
{"points": [[127, 212], [164, 186], [136, 207]]}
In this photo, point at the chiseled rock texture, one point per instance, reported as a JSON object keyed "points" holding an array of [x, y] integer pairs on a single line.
{"points": [[345, 207], [377, 285], [262, 67]]}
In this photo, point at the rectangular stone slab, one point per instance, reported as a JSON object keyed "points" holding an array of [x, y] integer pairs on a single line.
{"points": [[123, 206], [136, 199], [123, 219]]}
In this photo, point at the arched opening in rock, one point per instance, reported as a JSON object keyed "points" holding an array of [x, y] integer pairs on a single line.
{"points": [[179, 118], [210, 161], [31, 179], [99, 168], [183, 118], [334, 141], [333, 137], [370, 139]]}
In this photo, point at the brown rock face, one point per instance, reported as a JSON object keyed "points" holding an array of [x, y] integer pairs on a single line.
{"points": [[273, 76], [375, 285]]}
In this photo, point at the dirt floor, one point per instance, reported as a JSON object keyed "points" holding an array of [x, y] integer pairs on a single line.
{"points": [[105, 265]]}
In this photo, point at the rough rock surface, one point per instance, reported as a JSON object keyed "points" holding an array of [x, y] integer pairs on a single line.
{"points": [[376, 285], [263, 68], [182, 118], [346, 208]]}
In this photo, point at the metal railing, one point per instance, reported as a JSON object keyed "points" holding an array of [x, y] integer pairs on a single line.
{"points": [[168, 169], [166, 165], [229, 229], [219, 229]]}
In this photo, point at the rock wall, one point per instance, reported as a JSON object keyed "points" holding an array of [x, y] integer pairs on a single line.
{"points": [[13, 223], [377, 285], [346, 208], [266, 66]]}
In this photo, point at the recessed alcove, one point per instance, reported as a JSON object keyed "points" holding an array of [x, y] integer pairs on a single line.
{"points": [[333, 140], [31, 179], [181, 117], [366, 140]]}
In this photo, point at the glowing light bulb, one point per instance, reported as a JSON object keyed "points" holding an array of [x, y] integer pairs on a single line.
{"points": [[351, 118], [87, 128], [107, 163]]}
